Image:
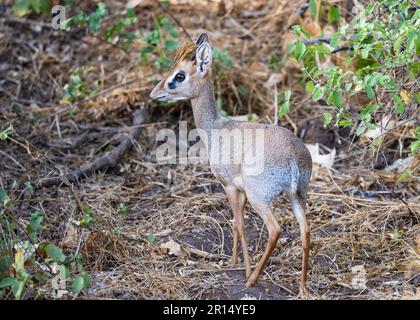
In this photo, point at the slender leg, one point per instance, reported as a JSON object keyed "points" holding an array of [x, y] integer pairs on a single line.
{"points": [[235, 232], [273, 228], [299, 207], [237, 200]]}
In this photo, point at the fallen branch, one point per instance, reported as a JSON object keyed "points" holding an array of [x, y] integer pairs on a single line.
{"points": [[108, 160]]}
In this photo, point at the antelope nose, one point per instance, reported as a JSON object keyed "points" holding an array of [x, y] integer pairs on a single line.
{"points": [[152, 94]]}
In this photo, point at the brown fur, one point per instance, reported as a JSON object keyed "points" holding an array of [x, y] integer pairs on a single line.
{"points": [[185, 53]]}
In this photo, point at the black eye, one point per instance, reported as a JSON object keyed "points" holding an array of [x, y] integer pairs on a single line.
{"points": [[179, 77]]}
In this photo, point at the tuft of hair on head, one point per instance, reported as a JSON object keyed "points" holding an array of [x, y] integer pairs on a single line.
{"points": [[186, 53]]}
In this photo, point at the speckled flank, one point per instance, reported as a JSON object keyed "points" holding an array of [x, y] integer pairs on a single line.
{"points": [[287, 161]]}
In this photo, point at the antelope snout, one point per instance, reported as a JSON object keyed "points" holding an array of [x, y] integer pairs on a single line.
{"points": [[158, 93]]}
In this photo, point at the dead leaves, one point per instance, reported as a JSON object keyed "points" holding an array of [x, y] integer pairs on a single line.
{"points": [[325, 159], [358, 281], [70, 238], [173, 248]]}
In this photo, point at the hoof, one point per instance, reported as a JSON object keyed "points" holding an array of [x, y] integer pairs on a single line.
{"points": [[303, 293], [251, 281]]}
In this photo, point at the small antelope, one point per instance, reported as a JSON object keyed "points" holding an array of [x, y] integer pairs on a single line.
{"points": [[287, 161]]}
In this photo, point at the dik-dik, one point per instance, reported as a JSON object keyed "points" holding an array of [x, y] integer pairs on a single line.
{"points": [[287, 162]]}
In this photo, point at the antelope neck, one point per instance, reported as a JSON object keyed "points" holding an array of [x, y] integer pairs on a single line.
{"points": [[204, 107]]}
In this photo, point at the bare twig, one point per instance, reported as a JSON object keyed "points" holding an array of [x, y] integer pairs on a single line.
{"points": [[108, 160], [325, 39]]}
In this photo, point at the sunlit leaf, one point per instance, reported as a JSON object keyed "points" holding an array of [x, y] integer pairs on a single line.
{"points": [[21, 8], [309, 87], [55, 253], [333, 14], [300, 50], [327, 118]]}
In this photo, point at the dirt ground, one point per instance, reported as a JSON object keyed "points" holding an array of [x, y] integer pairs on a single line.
{"points": [[365, 224]]}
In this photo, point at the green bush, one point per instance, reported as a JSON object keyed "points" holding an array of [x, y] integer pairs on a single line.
{"points": [[382, 64]]}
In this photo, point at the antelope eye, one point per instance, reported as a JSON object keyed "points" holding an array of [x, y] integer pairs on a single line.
{"points": [[179, 77]]}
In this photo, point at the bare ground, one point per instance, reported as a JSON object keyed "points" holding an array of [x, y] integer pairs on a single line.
{"points": [[361, 218]]}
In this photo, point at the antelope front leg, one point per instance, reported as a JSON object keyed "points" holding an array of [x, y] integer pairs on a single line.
{"points": [[237, 200]]}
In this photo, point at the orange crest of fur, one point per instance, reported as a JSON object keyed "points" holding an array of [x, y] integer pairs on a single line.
{"points": [[185, 53]]}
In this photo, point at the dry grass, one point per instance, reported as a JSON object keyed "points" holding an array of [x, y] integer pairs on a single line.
{"points": [[359, 215]]}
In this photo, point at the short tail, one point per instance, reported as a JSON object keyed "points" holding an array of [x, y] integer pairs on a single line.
{"points": [[294, 173]]}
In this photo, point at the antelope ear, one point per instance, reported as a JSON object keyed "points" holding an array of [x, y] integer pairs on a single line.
{"points": [[201, 39], [203, 58]]}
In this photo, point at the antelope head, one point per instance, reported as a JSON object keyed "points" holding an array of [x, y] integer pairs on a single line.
{"points": [[190, 71]]}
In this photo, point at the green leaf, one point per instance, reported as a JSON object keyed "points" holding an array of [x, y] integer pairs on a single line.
{"points": [[163, 62], [396, 234], [171, 45], [151, 238], [40, 6], [370, 92], [333, 14], [300, 50], [360, 130], [415, 147], [414, 68], [4, 134], [397, 45], [327, 118], [5, 262], [284, 108], [86, 279], [222, 56], [297, 29], [34, 224], [16, 285], [411, 40], [8, 282], [101, 9], [81, 282], [348, 86], [309, 86], [78, 284], [407, 174], [365, 115], [334, 41], [369, 8], [345, 123], [275, 61], [64, 272], [21, 8], [336, 97], [313, 4], [399, 104], [317, 93], [323, 50], [55, 253], [87, 219], [4, 197]]}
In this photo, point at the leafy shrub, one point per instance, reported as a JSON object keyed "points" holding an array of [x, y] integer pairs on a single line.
{"points": [[24, 7], [28, 263], [382, 64]]}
